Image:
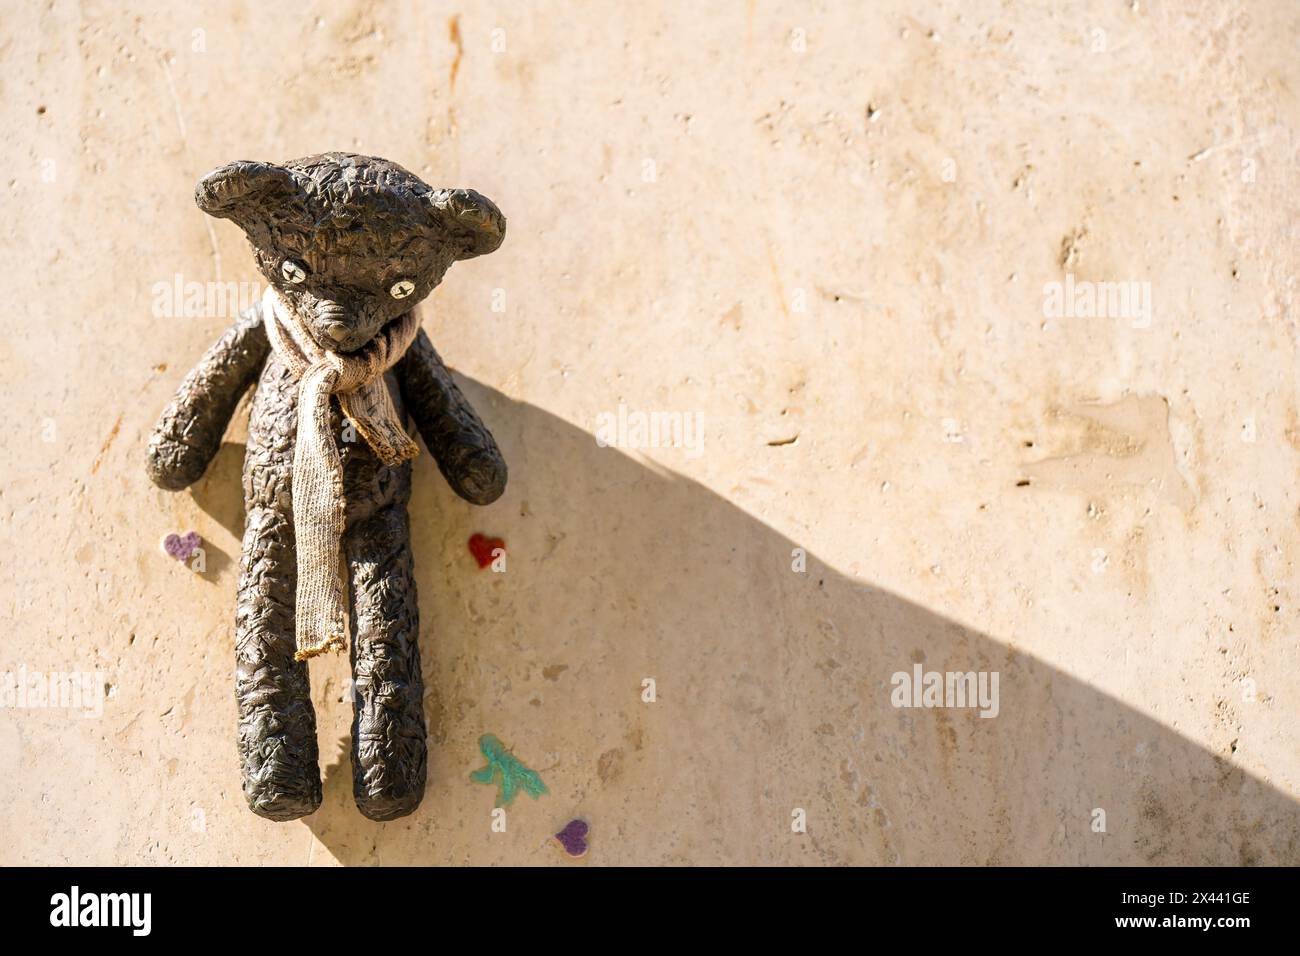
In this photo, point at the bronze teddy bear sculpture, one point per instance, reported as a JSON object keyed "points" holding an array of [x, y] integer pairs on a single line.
{"points": [[348, 246]]}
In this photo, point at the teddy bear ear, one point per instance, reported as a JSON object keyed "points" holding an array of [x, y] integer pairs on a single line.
{"points": [[469, 218], [239, 191]]}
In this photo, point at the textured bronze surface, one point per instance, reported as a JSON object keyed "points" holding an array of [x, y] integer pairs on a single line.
{"points": [[351, 228]]}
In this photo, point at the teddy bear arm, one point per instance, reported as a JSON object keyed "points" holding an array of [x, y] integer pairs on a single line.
{"points": [[466, 453], [190, 429]]}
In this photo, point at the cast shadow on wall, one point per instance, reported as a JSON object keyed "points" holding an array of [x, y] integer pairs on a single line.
{"points": [[773, 692]]}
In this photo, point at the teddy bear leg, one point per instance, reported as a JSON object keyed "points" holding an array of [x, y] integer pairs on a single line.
{"points": [[277, 725], [389, 754]]}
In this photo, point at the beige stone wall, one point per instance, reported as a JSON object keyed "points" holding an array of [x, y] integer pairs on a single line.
{"points": [[832, 223]]}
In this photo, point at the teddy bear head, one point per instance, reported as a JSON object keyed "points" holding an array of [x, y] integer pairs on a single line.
{"points": [[351, 242]]}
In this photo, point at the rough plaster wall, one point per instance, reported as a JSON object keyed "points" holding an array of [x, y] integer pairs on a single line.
{"points": [[852, 215]]}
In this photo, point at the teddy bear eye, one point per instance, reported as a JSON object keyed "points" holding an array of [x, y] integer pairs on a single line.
{"points": [[402, 289], [293, 271]]}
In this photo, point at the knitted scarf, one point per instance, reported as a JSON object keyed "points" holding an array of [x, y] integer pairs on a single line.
{"points": [[357, 378]]}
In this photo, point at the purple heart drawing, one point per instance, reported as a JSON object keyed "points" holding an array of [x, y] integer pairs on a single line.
{"points": [[182, 548], [574, 837]]}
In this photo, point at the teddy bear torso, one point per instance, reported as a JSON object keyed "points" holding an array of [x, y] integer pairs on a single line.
{"points": [[368, 484]]}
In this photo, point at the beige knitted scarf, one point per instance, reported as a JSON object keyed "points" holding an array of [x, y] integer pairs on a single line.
{"points": [[357, 378]]}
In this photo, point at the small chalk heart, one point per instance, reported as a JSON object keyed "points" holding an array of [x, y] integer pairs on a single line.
{"points": [[483, 549], [181, 548], [574, 837]]}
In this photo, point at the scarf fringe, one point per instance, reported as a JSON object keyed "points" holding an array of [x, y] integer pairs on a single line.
{"points": [[334, 643]]}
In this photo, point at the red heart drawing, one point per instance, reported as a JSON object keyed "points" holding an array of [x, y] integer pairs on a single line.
{"points": [[482, 547]]}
